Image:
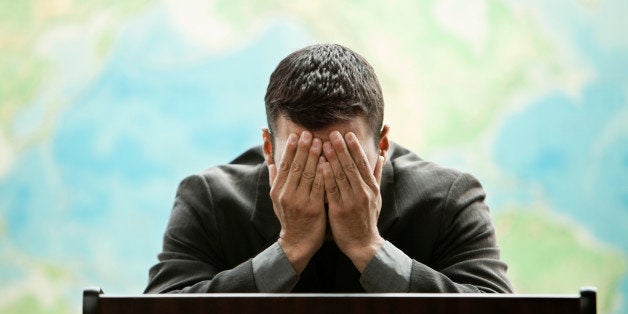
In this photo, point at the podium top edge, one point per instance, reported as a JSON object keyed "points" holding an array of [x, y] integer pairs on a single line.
{"points": [[344, 295]]}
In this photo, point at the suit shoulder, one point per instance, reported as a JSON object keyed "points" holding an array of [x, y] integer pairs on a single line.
{"points": [[410, 169], [238, 176], [242, 167]]}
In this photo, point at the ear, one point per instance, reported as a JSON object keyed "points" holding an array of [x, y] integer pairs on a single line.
{"points": [[267, 146], [384, 144]]}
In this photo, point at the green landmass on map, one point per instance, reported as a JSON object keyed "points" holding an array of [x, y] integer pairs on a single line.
{"points": [[475, 77], [471, 83], [548, 254], [24, 69]]}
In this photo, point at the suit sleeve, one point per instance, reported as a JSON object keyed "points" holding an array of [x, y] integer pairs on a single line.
{"points": [[466, 256], [388, 271], [192, 260]]}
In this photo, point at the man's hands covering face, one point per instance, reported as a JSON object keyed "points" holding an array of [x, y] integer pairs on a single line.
{"points": [[352, 190], [298, 189]]}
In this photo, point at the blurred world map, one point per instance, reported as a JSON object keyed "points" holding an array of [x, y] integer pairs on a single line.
{"points": [[106, 105]]}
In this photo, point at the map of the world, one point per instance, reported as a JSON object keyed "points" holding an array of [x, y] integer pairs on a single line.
{"points": [[106, 105]]}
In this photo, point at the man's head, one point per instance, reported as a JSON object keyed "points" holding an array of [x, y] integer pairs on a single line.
{"points": [[322, 88]]}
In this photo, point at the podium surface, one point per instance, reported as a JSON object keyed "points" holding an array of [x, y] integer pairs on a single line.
{"points": [[95, 302]]}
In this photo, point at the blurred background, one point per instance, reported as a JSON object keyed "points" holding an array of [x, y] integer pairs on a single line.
{"points": [[106, 105]]}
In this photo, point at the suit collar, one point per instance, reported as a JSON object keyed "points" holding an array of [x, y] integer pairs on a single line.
{"points": [[267, 224], [263, 217], [389, 213]]}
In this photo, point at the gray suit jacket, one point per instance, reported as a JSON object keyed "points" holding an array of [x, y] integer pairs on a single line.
{"points": [[224, 216]]}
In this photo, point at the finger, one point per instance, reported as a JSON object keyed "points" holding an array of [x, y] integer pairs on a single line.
{"points": [[342, 183], [346, 161], [360, 159], [309, 172], [331, 189], [298, 163], [318, 186], [286, 161], [379, 168], [272, 173]]}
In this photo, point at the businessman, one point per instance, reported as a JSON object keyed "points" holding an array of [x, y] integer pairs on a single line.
{"points": [[328, 203]]}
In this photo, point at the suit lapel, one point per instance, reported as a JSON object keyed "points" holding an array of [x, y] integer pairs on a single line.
{"points": [[263, 216], [389, 214]]}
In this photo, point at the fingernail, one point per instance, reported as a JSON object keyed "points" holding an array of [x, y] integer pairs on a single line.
{"points": [[292, 139], [327, 147], [335, 134], [349, 137], [316, 143], [305, 135]]}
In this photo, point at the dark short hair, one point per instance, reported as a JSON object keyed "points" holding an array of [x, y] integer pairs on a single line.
{"points": [[321, 85]]}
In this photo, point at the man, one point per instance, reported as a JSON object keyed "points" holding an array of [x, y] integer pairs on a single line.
{"points": [[328, 203]]}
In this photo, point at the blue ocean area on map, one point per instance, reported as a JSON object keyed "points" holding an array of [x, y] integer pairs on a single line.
{"points": [[123, 139], [169, 93], [548, 144], [556, 164]]}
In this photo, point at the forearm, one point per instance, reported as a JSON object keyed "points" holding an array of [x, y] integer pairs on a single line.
{"points": [[388, 271], [391, 270], [190, 276], [273, 270], [463, 279]]}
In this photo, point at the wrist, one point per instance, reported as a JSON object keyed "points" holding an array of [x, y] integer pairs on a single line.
{"points": [[298, 255], [362, 255]]}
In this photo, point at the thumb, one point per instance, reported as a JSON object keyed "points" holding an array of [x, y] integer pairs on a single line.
{"points": [[272, 173], [379, 166]]}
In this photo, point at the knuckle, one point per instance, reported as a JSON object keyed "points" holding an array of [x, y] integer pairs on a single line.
{"points": [[340, 176], [284, 166], [366, 192], [309, 175], [275, 193], [363, 198], [283, 202], [317, 186], [296, 167], [333, 190], [351, 167], [364, 165]]}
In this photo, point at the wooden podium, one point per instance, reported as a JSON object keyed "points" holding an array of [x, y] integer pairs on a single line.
{"points": [[95, 302]]}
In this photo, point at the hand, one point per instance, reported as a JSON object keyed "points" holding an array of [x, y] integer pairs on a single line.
{"points": [[297, 193], [352, 190]]}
